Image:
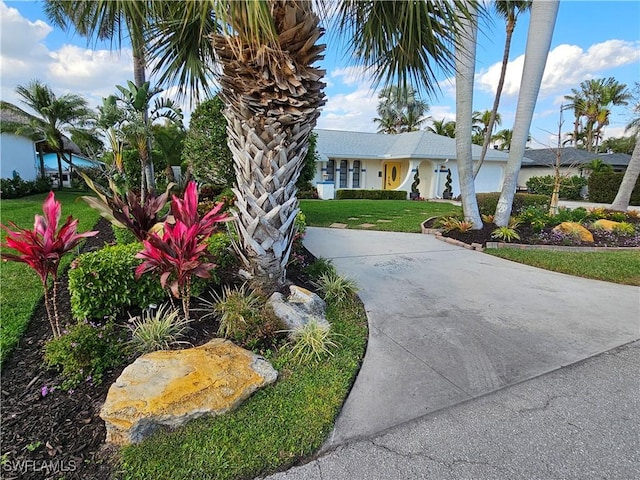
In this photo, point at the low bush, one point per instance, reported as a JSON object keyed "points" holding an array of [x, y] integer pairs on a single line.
{"points": [[570, 187], [358, 194], [16, 187], [487, 202], [85, 351], [123, 236], [604, 186], [102, 283]]}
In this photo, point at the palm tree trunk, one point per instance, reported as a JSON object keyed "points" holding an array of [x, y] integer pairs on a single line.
{"points": [[465, 58], [60, 183], [541, 25], [496, 102], [272, 104], [621, 202]]}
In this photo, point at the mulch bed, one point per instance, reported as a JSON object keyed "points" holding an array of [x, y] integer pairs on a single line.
{"points": [[61, 434], [529, 237]]}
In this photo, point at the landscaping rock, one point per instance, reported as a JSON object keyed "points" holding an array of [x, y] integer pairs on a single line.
{"points": [[299, 308], [603, 224], [171, 387], [574, 228]]}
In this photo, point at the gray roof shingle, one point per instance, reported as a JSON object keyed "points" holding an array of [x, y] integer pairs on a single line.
{"points": [[416, 145]]}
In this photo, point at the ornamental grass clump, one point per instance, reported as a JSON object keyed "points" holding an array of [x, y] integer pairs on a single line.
{"points": [[236, 309], [179, 252], [158, 330], [311, 343], [42, 249], [335, 287]]}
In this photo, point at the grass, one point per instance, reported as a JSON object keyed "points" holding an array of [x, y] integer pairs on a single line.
{"points": [[274, 429], [398, 215], [21, 288], [611, 266]]}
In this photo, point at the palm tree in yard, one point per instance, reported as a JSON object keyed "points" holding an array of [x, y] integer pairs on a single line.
{"points": [[400, 110], [621, 202], [509, 10], [54, 115], [266, 54], [465, 57], [542, 23]]}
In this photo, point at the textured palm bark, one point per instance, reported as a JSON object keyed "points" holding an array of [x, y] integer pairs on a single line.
{"points": [[541, 25], [272, 99], [621, 202]]}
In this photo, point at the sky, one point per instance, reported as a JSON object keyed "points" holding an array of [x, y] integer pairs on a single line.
{"points": [[592, 39]]}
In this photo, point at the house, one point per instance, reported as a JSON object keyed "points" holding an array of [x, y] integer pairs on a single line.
{"points": [[572, 162], [377, 161]]}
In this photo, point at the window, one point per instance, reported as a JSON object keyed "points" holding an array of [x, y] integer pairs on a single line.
{"points": [[356, 174], [344, 170], [331, 167]]}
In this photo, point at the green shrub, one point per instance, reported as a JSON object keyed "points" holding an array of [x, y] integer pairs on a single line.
{"points": [[102, 283], [320, 267], [603, 187], [219, 246], [85, 352], [358, 194], [16, 187], [487, 202], [123, 236], [570, 187], [158, 330], [506, 234]]}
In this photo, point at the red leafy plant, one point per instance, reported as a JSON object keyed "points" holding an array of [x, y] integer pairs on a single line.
{"points": [[125, 209], [179, 251], [42, 249]]}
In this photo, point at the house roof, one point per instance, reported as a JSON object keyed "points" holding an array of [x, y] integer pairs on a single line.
{"points": [[10, 117], [573, 156], [377, 146]]}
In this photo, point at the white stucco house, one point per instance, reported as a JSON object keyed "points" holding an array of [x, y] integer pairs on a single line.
{"points": [[17, 156], [376, 161]]}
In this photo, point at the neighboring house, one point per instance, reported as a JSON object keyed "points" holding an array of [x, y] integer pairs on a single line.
{"points": [[18, 157], [377, 161], [572, 162], [51, 166]]}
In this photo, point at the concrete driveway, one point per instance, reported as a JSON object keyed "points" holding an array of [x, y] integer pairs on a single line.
{"points": [[449, 324]]}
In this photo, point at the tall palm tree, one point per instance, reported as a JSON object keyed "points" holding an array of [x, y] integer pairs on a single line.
{"points": [[465, 58], [509, 10], [621, 202], [189, 68], [53, 117], [542, 23], [265, 54]]}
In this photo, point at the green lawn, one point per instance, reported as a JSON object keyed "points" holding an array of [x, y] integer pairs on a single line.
{"points": [[388, 215], [610, 266], [21, 288]]}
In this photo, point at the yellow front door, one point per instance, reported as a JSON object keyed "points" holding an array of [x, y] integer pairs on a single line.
{"points": [[391, 175]]}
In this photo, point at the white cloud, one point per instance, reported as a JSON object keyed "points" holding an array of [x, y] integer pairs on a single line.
{"points": [[567, 66], [353, 111]]}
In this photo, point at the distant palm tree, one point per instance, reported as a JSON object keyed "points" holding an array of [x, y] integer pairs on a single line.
{"points": [[442, 127], [504, 137], [509, 10], [53, 117], [400, 110]]}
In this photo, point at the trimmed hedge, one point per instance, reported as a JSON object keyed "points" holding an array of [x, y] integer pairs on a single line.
{"points": [[603, 187], [570, 188], [16, 187], [102, 283], [361, 194], [487, 202]]}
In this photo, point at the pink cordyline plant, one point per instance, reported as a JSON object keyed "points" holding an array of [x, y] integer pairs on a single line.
{"points": [[179, 252], [43, 247]]}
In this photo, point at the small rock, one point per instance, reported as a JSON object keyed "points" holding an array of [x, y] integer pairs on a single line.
{"points": [[574, 228], [299, 308], [171, 387]]}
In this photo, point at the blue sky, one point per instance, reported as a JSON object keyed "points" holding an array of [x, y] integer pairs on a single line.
{"points": [[592, 39]]}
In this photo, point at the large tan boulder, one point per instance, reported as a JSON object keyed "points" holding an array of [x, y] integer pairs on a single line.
{"points": [[608, 225], [171, 387], [574, 228]]}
